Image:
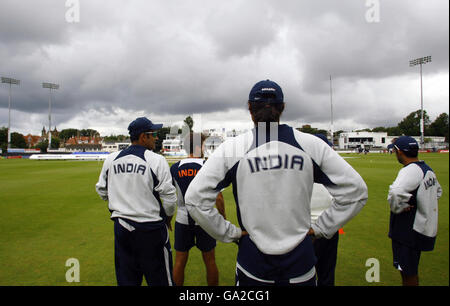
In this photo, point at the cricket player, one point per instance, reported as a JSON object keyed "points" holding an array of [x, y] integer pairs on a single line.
{"points": [[187, 232], [142, 200], [413, 199], [324, 249], [272, 169]]}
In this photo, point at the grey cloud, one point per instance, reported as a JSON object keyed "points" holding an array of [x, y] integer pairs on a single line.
{"points": [[241, 28], [184, 57]]}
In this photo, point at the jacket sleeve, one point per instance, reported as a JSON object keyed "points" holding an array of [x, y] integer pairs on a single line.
{"points": [[439, 191], [102, 185], [200, 197], [400, 191], [165, 188], [345, 185]]}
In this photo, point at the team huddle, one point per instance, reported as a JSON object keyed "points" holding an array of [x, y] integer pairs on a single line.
{"points": [[293, 193]]}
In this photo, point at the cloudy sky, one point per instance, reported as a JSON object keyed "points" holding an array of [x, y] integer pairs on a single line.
{"points": [[117, 60]]}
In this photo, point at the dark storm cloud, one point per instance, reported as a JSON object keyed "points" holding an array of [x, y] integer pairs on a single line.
{"points": [[342, 42], [184, 57]]}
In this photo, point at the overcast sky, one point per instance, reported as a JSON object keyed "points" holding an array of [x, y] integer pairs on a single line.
{"points": [[172, 58]]}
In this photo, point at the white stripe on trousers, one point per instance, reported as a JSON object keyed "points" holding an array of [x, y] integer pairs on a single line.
{"points": [[300, 279], [166, 259]]}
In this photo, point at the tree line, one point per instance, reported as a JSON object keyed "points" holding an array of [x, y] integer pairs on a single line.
{"points": [[410, 125], [18, 139]]}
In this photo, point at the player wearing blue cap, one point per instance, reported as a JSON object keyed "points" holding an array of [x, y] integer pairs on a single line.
{"points": [[138, 186], [413, 198], [272, 169], [187, 232]]}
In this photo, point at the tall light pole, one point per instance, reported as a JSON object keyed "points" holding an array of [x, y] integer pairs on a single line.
{"points": [[420, 61], [9, 81], [331, 102], [50, 86]]}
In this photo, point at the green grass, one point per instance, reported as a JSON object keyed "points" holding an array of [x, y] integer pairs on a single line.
{"points": [[50, 212]]}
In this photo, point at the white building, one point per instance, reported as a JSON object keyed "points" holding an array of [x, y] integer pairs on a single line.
{"points": [[211, 144], [215, 132], [432, 142], [364, 140], [173, 146], [114, 146], [380, 140]]}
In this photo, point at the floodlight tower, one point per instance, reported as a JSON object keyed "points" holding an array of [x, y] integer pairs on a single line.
{"points": [[420, 61], [50, 86], [9, 81]]}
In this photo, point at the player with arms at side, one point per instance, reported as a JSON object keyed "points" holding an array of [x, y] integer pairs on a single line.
{"points": [[138, 185], [187, 232]]}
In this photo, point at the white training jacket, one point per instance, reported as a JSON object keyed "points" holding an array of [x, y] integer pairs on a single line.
{"points": [[138, 185], [417, 180], [320, 201], [272, 184]]}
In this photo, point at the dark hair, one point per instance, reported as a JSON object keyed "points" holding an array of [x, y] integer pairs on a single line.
{"points": [[134, 137], [266, 111], [412, 153], [190, 138]]}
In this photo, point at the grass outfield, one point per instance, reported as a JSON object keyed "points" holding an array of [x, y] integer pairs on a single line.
{"points": [[50, 212]]}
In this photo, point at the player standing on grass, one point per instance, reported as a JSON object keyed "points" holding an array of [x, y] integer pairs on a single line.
{"points": [[413, 198], [187, 232], [272, 169], [138, 185], [324, 249]]}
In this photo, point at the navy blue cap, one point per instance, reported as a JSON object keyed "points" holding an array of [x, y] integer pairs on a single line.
{"points": [[406, 143], [266, 91], [141, 125], [324, 138]]}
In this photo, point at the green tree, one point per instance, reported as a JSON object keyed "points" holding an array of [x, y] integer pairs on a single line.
{"points": [[393, 131], [68, 133], [338, 133], [162, 132], [189, 121], [89, 133], [42, 146], [115, 138], [18, 141], [55, 143], [307, 129], [379, 129], [310, 130], [440, 126], [410, 125], [4, 139]]}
